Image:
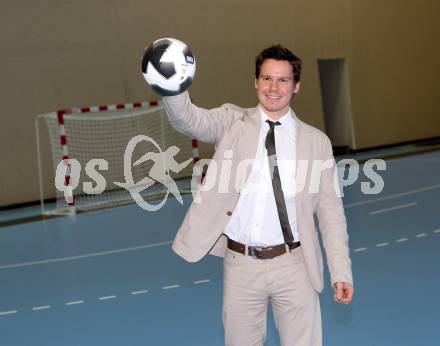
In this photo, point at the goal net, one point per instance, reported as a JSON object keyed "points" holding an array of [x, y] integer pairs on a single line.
{"points": [[84, 156]]}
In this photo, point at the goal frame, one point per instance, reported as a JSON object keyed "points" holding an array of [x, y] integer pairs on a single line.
{"points": [[64, 143]]}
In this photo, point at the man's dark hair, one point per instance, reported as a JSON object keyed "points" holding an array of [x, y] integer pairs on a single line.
{"points": [[278, 52]]}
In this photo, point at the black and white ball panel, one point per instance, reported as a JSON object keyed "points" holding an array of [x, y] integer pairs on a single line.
{"points": [[154, 55]]}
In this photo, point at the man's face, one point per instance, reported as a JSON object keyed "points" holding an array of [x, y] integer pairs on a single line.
{"points": [[275, 87]]}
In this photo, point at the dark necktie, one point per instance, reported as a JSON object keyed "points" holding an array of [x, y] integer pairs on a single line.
{"points": [[276, 183]]}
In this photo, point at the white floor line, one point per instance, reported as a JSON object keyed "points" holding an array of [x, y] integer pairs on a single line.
{"points": [[436, 231], [401, 240], [139, 292], [10, 312], [201, 281], [170, 287], [44, 307], [421, 235], [396, 195], [380, 211], [104, 253], [382, 244], [360, 249], [107, 297], [75, 302], [135, 248]]}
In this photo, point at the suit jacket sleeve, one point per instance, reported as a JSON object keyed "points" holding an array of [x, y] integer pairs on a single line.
{"points": [[202, 124], [332, 222]]}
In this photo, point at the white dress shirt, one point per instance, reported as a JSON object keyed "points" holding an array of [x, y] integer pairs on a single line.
{"points": [[255, 220]]}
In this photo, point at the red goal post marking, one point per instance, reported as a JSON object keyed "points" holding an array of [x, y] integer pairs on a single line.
{"points": [[97, 109], [195, 150]]}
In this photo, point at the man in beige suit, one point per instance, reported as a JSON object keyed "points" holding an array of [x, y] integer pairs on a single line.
{"points": [[269, 175]]}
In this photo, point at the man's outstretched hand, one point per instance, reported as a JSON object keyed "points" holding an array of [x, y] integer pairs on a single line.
{"points": [[343, 292]]}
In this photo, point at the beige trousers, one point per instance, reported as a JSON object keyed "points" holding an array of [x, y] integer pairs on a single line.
{"points": [[249, 284]]}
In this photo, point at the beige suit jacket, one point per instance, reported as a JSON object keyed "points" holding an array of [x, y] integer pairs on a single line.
{"points": [[235, 132]]}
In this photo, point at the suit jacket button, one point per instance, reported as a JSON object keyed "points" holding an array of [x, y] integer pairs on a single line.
{"points": [[229, 213]]}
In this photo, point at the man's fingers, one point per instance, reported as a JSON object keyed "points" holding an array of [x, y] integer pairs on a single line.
{"points": [[348, 294]]}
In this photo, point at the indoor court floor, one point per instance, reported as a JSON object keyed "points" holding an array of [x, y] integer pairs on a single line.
{"points": [[109, 277]]}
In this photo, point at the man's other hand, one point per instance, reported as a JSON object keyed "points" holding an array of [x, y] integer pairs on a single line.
{"points": [[343, 292]]}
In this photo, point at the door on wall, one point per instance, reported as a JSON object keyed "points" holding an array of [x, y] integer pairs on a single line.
{"points": [[336, 102]]}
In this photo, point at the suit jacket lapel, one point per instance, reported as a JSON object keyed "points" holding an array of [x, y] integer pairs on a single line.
{"points": [[301, 164], [249, 136]]}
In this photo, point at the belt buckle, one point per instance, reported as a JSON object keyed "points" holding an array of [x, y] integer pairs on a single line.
{"points": [[252, 251]]}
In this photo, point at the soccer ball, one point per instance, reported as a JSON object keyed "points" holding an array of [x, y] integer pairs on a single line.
{"points": [[168, 66]]}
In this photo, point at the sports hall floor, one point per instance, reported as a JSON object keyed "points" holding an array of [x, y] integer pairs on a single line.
{"points": [[110, 278]]}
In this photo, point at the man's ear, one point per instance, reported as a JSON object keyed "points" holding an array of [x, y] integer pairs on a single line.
{"points": [[255, 83], [296, 87]]}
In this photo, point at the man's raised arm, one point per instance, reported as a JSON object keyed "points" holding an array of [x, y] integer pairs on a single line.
{"points": [[202, 124]]}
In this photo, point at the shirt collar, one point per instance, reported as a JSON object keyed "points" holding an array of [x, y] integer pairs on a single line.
{"points": [[287, 120]]}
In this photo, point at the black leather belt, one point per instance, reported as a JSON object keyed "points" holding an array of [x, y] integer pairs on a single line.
{"points": [[262, 252]]}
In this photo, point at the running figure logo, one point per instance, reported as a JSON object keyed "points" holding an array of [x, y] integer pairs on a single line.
{"points": [[163, 163]]}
